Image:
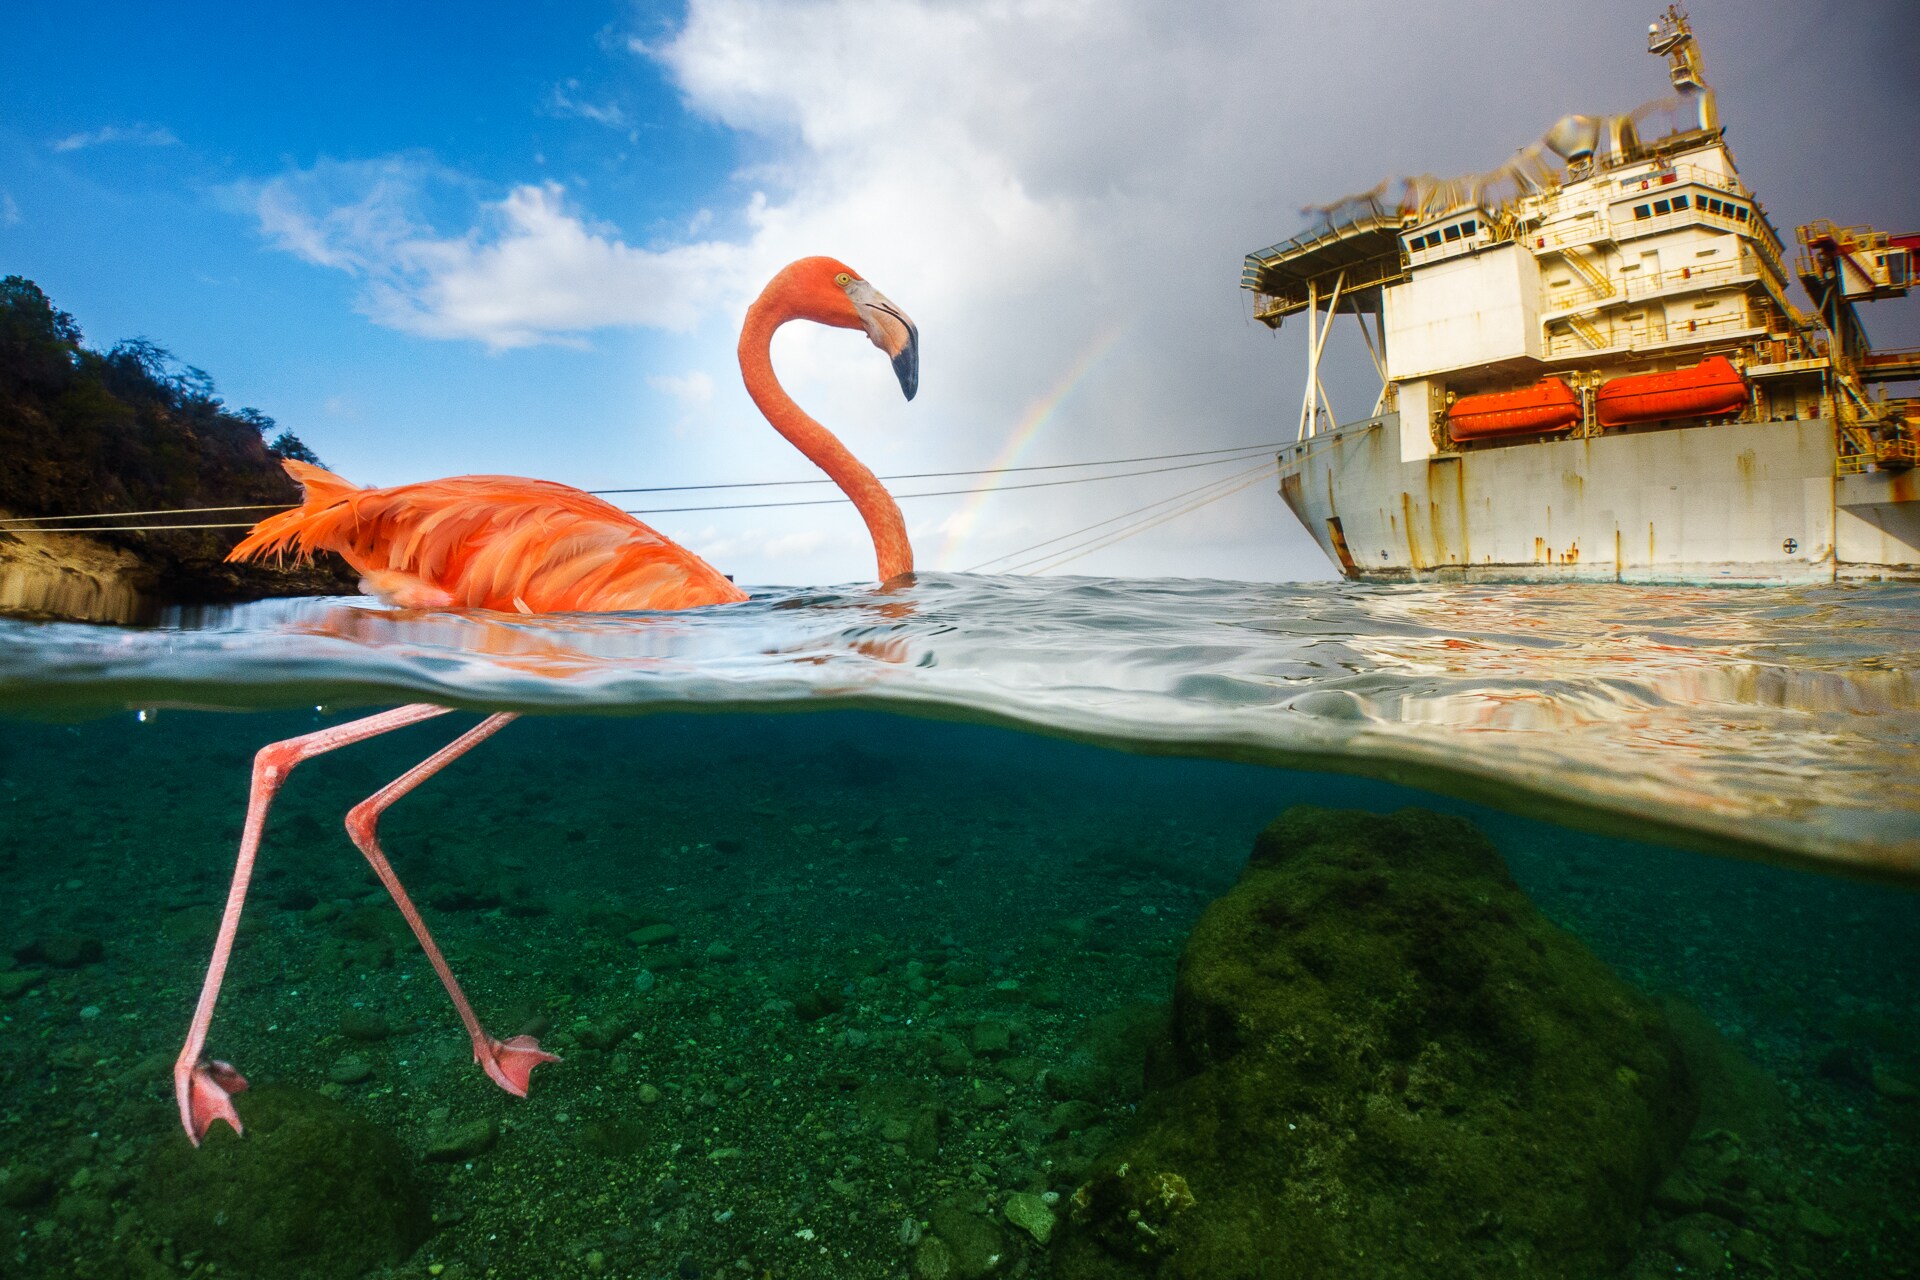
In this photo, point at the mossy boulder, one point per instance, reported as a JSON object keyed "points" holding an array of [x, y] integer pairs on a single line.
{"points": [[312, 1192], [1107, 1061], [1735, 1095], [1383, 1062]]}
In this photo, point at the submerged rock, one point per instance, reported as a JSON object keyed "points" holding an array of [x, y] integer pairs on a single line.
{"points": [[1030, 1213], [975, 1241], [23, 1185], [350, 1069], [1384, 1061], [63, 949], [1735, 1095], [653, 935], [312, 1192], [365, 1025], [1107, 1062], [462, 1141]]}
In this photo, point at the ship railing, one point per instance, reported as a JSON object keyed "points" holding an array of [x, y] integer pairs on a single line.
{"points": [[1898, 455], [1357, 279], [1601, 230], [1861, 450], [1627, 335], [1858, 238], [1637, 285], [1601, 227]]}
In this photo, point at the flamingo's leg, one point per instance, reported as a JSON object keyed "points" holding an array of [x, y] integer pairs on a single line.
{"points": [[204, 1088], [509, 1063]]}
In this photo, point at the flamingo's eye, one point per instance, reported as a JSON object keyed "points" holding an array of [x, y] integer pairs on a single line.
{"points": [[843, 279]]}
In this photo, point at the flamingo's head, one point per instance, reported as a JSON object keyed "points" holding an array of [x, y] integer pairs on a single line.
{"points": [[828, 291]]}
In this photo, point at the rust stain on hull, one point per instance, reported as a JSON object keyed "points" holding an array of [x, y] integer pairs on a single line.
{"points": [[1414, 557]]}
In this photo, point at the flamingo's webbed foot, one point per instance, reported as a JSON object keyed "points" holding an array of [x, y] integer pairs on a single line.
{"points": [[205, 1092], [511, 1064]]}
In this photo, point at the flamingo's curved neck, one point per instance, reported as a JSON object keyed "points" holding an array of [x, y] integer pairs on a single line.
{"points": [[822, 447]]}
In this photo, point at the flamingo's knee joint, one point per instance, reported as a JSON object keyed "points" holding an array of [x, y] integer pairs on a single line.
{"points": [[361, 824]]}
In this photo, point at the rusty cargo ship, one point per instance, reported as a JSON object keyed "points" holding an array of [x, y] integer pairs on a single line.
{"points": [[1590, 369]]}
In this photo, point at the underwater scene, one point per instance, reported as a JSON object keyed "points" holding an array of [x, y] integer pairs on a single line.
{"points": [[980, 927]]}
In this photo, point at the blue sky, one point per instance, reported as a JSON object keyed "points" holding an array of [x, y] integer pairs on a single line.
{"points": [[519, 240]]}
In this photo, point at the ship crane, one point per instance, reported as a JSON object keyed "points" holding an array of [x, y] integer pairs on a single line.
{"points": [[1841, 267]]}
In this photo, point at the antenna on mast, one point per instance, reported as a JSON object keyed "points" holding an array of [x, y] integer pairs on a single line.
{"points": [[1671, 36]]}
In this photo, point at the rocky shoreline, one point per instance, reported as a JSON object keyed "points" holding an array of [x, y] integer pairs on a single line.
{"points": [[78, 578]]}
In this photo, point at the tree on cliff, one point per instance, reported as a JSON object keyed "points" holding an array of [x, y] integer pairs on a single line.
{"points": [[131, 429]]}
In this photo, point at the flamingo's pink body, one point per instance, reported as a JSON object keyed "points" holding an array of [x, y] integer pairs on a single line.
{"points": [[527, 546], [491, 542]]}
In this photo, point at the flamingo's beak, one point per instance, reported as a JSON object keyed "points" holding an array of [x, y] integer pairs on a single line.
{"points": [[891, 331]]}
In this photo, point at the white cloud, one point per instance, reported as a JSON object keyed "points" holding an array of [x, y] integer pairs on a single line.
{"points": [[9, 210], [140, 135], [693, 388], [563, 101], [1034, 182], [533, 271], [1026, 181]]}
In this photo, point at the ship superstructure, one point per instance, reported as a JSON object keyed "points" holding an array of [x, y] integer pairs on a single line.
{"points": [[1590, 367]]}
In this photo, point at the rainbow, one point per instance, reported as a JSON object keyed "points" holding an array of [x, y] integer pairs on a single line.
{"points": [[961, 524]]}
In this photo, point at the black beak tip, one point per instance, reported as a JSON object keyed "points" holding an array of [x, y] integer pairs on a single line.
{"points": [[906, 365]]}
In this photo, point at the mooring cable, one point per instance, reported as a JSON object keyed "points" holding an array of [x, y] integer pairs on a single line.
{"points": [[1074, 533], [32, 523], [1238, 454]]}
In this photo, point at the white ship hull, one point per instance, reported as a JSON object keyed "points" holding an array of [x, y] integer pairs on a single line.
{"points": [[1745, 502]]}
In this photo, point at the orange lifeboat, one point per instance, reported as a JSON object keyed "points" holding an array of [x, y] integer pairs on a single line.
{"points": [[1548, 405], [1710, 388]]}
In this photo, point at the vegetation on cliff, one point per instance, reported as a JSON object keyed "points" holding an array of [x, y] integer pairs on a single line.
{"points": [[131, 429]]}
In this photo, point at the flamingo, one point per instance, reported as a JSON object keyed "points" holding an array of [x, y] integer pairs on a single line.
{"points": [[531, 547]]}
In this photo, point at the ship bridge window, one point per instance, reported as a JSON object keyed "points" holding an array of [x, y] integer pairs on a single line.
{"points": [[1679, 202], [1663, 206], [1447, 235], [1642, 211]]}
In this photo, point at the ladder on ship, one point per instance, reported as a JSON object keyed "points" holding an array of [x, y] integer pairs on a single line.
{"points": [[1595, 278], [1586, 331]]}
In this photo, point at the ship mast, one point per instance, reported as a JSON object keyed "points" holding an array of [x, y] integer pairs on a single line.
{"points": [[1671, 36]]}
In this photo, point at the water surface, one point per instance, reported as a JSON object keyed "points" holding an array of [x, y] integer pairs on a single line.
{"points": [[1780, 720]]}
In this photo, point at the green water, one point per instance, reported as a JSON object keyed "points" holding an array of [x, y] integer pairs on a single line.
{"points": [[896, 952]]}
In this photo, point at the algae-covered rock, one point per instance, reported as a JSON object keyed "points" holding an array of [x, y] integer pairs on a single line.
{"points": [[1735, 1095], [1107, 1061], [975, 1242], [312, 1192], [450, 1141], [23, 1185], [1384, 1062], [932, 1260], [1030, 1213]]}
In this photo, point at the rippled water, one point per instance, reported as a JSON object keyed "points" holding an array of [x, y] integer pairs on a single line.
{"points": [[1782, 721]]}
